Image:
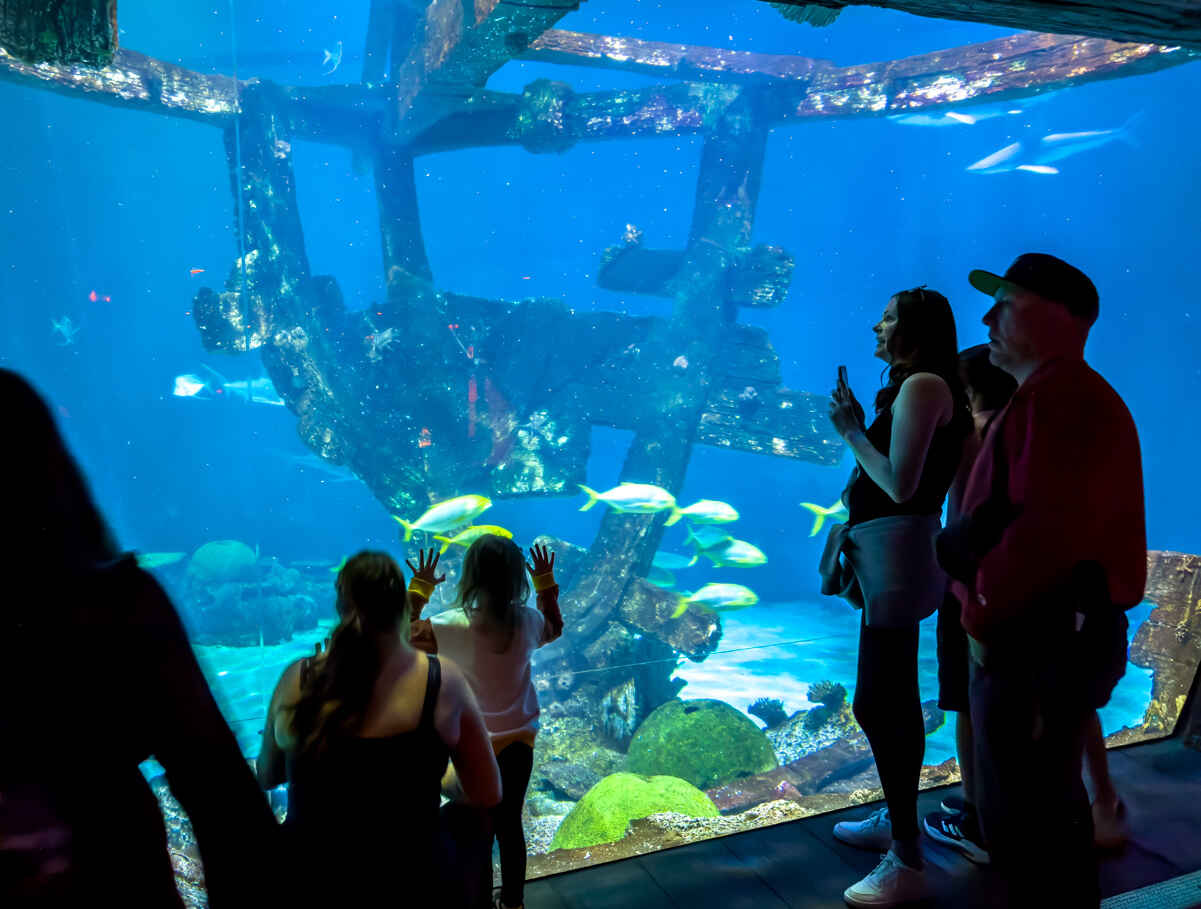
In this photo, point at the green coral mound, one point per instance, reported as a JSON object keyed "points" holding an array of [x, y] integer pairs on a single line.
{"points": [[705, 742], [606, 809], [221, 561]]}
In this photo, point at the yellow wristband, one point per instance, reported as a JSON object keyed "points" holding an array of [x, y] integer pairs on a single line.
{"points": [[421, 587], [544, 581]]}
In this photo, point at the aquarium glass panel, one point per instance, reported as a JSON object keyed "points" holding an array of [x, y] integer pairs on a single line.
{"points": [[591, 291]]}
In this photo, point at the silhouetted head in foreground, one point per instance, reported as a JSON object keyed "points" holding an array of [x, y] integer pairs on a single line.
{"points": [[493, 585], [372, 604], [988, 387], [917, 334], [51, 523]]}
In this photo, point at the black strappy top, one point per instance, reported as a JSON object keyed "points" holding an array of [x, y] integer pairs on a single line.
{"points": [[366, 809], [866, 501]]}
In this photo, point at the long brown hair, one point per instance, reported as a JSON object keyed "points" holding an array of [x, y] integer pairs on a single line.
{"points": [[493, 585], [334, 696], [924, 341]]}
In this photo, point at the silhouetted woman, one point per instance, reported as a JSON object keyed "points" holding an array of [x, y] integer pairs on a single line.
{"points": [[98, 676], [363, 733], [906, 461]]}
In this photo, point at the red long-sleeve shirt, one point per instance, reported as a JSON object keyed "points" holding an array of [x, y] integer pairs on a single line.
{"points": [[1074, 465]]}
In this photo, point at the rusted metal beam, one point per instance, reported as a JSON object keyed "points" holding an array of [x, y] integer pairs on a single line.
{"points": [[686, 62], [1161, 21]]}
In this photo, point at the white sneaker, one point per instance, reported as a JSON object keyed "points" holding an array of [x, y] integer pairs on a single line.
{"points": [[873, 832], [891, 884]]}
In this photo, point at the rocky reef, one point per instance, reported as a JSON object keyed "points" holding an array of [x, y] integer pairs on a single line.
{"points": [[815, 772], [227, 594], [1169, 641]]}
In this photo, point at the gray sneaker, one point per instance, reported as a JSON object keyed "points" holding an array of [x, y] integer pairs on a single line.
{"points": [[873, 832], [893, 883]]}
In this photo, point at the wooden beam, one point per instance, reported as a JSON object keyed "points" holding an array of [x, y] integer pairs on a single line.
{"points": [[1012, 67], [495, 118], [1168, 22], [65, 32], [133, 81], [686, 62], [1004, 69], [459, 46]]}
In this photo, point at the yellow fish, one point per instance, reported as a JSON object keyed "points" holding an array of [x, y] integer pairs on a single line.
{"points": [[709, 511], [837, 510], [635, 498], [718, 598], [471, 534], [446, 515]]}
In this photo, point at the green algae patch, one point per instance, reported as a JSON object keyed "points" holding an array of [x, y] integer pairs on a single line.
{"points": [[606, 809], [706, 742]]}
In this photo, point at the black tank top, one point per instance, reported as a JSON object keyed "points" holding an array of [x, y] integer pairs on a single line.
{"points": [[866, 501], [368, 807]]}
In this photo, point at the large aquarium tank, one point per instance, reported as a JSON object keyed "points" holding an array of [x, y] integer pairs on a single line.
{"points": [[292, 275]]}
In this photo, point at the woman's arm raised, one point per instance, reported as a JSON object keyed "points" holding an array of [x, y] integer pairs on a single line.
{"points": [[922, 405]]}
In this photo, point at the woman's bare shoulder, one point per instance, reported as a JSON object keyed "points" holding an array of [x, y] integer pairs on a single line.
{"points": [[930, 382], [454, 681]]}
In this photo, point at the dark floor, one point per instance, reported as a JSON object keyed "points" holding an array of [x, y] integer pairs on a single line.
{"points": [[800, 864]]}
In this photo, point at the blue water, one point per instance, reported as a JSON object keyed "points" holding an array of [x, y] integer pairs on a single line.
{"points": [[106, 212]]}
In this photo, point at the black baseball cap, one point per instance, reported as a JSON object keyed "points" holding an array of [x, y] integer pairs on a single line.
{"points": [[1050, 278]]}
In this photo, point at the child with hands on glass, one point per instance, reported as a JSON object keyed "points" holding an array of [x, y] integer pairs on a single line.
{"points": [[493, 644]]}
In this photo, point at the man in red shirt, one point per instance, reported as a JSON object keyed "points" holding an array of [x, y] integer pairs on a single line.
{"points": [[1055, 535]]}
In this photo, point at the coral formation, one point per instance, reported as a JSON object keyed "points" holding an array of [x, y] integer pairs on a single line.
{"points": [[225, 598], [603, 814], [833, 700], [221, 561], [706, 742], [770, 710]]}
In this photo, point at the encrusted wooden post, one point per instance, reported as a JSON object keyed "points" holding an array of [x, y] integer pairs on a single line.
{"points": [[683, 352]]}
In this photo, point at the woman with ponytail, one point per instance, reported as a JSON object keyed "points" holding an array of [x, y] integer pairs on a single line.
{"points": [[362, 734]]}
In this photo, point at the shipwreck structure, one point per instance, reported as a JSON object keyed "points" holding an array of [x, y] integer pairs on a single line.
{"points": [[380, 391]]}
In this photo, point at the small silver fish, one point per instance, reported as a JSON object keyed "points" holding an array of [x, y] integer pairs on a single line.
{"points": [[331, 59]]}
